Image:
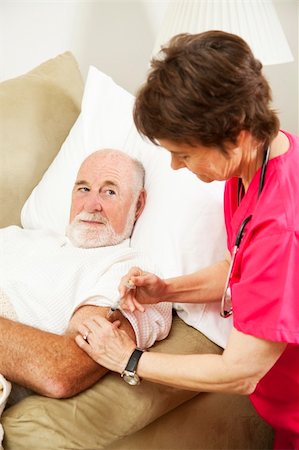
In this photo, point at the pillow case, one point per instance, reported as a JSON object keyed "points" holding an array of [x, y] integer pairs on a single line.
{"points": [[182, 226]]}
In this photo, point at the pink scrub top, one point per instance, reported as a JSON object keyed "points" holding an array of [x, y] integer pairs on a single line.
{"points": [[265, 282]]}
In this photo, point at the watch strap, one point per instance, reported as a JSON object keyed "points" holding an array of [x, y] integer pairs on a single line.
{"points": [[134, 359]]}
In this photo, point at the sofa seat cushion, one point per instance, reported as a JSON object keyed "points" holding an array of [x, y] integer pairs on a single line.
{"points": [[105, 413], [205, 422]]}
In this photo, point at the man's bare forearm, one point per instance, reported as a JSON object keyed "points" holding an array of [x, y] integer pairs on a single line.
{"points": [[44, 362], [49, 364]]}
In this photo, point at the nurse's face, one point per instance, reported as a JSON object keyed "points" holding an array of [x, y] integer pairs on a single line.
{"points": [[207, 163]]}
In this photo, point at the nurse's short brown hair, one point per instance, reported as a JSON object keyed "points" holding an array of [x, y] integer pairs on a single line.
{"points": [[204, 89]]}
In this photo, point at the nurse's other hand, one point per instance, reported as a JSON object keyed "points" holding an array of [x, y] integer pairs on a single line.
{"points": [[105, 343]]}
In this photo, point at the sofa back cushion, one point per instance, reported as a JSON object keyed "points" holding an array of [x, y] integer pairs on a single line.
{"points": [[37, 111]]}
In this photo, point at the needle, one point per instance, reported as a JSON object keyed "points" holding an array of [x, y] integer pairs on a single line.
{"points": [[112, 309], [129, 286]]}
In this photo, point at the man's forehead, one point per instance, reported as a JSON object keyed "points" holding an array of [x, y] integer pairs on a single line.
{"points": [[111, 157], [106, 162], [89, 181], [104, 173], [105, 166]]}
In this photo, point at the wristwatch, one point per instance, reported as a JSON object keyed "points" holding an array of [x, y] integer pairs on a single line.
{"points": [[129, 374]]}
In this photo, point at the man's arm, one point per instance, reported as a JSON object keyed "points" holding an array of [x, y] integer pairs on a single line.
{"points": [[50, 364]]}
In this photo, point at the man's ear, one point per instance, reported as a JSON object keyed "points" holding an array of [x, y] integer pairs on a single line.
{"points": [[140, 203]]}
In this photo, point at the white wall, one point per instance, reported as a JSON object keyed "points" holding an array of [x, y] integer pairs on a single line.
{"points": [[284, 78], [117, 36]]}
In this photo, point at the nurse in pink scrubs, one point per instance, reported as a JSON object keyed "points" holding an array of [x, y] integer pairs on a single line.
{"points": [[207, 102]]}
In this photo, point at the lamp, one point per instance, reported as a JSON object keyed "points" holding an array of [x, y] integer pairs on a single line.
{"points": [[255, 21]]}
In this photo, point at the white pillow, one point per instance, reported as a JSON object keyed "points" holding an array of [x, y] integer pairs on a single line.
{"points": [[182, 226]]}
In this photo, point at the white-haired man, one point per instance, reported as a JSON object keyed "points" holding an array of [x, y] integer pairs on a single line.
{"points": [[53, 282]]}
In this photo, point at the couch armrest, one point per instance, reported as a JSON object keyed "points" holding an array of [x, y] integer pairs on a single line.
{"points": [[37, 111]]}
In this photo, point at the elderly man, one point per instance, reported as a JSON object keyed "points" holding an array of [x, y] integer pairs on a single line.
{"points": [[52, 282]]}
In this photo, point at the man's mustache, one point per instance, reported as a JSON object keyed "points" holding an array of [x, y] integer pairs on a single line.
{"points": [[90, 217]]}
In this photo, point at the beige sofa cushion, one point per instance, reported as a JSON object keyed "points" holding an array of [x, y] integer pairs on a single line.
{"points": [[104, 413], [109, 415], [37, 111]]}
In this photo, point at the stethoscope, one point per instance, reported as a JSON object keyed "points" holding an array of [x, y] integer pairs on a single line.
{"points": [[226, 309]]}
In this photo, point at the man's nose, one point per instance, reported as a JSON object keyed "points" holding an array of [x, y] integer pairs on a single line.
{"points": [[93, 202], [176, 163]]}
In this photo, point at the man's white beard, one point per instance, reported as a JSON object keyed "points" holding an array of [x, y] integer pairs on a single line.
{"points": [[90, 236]]}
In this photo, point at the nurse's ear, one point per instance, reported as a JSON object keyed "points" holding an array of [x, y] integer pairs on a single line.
{"points": [[243, 138], [245, 141]]}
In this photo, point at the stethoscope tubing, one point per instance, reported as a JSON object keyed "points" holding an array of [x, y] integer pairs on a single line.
{"points": [[224, 312]]}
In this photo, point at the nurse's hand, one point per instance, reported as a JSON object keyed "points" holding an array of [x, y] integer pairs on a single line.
{"points": [[137, 288], [105, 343]]}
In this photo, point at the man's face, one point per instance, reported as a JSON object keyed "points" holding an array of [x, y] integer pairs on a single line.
{"points": [[103, 210]]}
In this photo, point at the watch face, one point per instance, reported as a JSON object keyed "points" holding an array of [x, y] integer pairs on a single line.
{"points": [[130, 377]]}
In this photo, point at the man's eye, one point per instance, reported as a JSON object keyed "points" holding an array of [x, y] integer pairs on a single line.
{"points": [[110, 192], [83, 189]]}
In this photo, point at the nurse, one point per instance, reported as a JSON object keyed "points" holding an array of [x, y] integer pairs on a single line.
{"points": [[207, 102]]}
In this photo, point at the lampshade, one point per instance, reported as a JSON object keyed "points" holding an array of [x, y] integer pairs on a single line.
{"points": [[255, 21]]}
